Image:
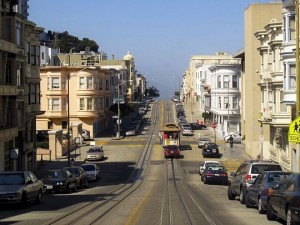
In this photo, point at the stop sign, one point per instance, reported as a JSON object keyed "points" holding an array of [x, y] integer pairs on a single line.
{"points": [[214, 125]]}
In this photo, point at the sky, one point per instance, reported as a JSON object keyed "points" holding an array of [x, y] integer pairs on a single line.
{"points": [[162, 35]]}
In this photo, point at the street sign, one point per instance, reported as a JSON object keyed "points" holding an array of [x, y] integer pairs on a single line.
{"points": [[118, 100], [294, 131]]}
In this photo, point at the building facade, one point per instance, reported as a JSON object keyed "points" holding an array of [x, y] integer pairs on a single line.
{"points": [[89, 94], [19, 86]]}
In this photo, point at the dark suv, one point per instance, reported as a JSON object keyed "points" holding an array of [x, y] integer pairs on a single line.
{"points": [[245, 175]]}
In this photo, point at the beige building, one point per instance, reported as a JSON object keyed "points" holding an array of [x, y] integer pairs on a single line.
{"points": [[256, 16], [19, 86], [88, 58], [89, 94]]}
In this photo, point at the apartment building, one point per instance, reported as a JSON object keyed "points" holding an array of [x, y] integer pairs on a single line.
{"points": [[86, 88], [19, 86], [256, 17], [213, 83]]}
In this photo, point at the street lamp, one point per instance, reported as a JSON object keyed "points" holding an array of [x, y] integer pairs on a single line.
{"points": [[68, 109], [118, 101]]}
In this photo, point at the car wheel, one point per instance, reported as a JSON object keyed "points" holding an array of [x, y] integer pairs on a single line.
{"points": [[242, 196], [75, 187], [39, 197], [86, 183], [270, 214], [204, 180], [247, 200], [67, 188], [24, 200], [259, 206], [230, 195]]}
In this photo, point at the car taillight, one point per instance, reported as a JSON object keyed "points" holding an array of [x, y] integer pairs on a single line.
{"points": [[248, 178]]}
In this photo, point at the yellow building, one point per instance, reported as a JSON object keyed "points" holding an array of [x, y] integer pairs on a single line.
{"points": [[89, 94]]}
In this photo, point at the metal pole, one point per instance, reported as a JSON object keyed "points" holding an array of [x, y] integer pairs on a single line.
{"points": [[297, 80], [68, 118], [118, 120]]}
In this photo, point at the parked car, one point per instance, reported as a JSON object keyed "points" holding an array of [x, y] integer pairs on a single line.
{"points": [[171, 151], [86, 135], [95, 153], [59, 180], [80, 174], [258, 193], [210, 149], [283, 201], [131, 130], [20, 187], [237, 137], [208, 162], [214, 174], [196, 126], [245, 175], [186, 130], [92, 171], [203, 140]]}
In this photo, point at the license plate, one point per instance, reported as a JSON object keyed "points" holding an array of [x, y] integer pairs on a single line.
{"points": [[217, 174], [49, 187], [172, 151]]}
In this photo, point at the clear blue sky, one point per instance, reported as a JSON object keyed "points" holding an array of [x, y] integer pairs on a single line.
{"points": [[162, 35]]}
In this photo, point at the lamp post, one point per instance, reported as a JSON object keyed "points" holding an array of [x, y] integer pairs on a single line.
{"points": [[119, 111], [68, 110]]}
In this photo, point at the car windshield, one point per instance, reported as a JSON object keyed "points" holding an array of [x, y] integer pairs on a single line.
{"points": [[259, 168], [276, 178], [12, 179], [56, 174], [88, 167], [215, 168], [94, 150], [73, 170]]}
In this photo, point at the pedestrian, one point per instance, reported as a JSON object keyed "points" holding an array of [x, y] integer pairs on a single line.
{"points": [[231, 141]]}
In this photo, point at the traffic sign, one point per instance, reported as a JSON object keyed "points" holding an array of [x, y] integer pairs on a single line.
{"points": [[214, 125], [294, 130], [118, 100]]}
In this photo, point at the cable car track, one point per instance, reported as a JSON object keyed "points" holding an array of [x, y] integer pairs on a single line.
{"points": [[81, 213]]}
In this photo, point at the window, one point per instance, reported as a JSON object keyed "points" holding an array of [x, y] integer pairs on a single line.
{"points": [[235, 103], [55, 82], [28, 52], [101, 103], [107, 102], [49, 104], [226, 81], [292, 25], [292, 77], [50, 125], [100, 84], [19, 33], [55, 104], [235, 81], [107, 85], [33, 55], [220, 102], [63, 104], [81, 82], [219, 81], [64, 124], [81, 104], [226, 102], [89, 104], [63, 83], [89, 83]]}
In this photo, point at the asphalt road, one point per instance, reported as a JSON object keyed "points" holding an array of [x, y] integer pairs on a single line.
{"points": [[163, 192]]}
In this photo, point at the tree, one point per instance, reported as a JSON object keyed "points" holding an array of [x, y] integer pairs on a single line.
{"points": [[67, 42], [152, 92]]}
